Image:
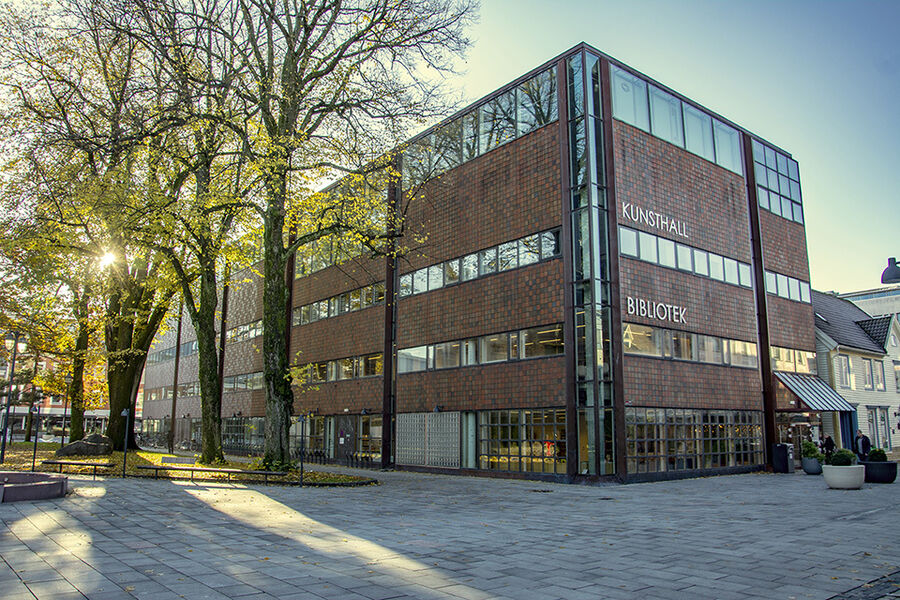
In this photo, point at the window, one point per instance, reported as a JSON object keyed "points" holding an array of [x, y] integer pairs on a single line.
{"points": [[405, 285], [628, 244], [420, 281], [682, 345], [410, 360], [778, 182], [728, 147], [878, 375], [698, 132], [744, 275], [451, 271], [435, 277], [709, 350], [666, 117], [541, 341], [529, 440], [685, 263], [446, 355], [507, 256], [716, 267], [469, 268], [498, 121], [529, 250], [537, 101], [470, 353], [897, 375], [372, 365], [867, 373], [667, 253], [643, 340], [550, 244], [731, 271], [844, 370], [494, 348], [487, 262], [630, 99], [701, 262], [743, 354], [647, 244]]}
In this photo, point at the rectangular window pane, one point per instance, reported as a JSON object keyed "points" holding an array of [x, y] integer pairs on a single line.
{"points": [[446, 355], [405, 285], [549, 244], [744, 275], [508, 256], [701, 263], [628, 242], [665, 117], [787, 208], [648, 246], [798, 212], [630, 99], [494, 348], [420, 281], [698, 132], [667, 253], [469, 269], [372, 365], [804, 292], [470, 352], [731, 271], [709, 349], [542, 341], [529, 250], [641, 339], [684, 257], [716, 267], [435, 277], [682, 345], [487, 261], [498, 121], [794, 289], [763, 195], [451, 271], [410, 360], [771, 283], [537, 101], [728, 147], [782, 286]]}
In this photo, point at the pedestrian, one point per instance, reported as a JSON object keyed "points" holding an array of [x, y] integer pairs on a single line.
{"points": [[828, 447], [862, 445]]}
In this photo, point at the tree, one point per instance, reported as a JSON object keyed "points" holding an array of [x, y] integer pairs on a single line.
{"points": [[332, 84]]}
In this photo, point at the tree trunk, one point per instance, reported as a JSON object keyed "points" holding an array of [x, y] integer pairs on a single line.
{"points": [[28, 423], [123, 383], [204, 323], [279, 397], [76, 423], [29, 415]]}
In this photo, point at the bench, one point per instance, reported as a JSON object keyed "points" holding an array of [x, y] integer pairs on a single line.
{"points": [[79, 463], [178, 460], [265, 474]]}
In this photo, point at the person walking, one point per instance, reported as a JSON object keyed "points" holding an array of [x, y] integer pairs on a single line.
{"points": [[862, 445], [828, 447]]}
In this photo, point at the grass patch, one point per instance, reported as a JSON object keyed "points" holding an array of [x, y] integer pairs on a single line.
{"points": [[18, 458]]}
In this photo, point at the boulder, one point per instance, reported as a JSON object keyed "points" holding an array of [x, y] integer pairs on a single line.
{"points": [[93, 445]]}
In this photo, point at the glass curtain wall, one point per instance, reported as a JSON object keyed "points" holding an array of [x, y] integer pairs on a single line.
{"points": [[590, 277]]}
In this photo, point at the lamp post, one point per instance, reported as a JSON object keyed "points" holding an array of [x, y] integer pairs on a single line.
{"points": [[15, 344], [62, 437], [892, 273], [125, 447], [36, 419]]}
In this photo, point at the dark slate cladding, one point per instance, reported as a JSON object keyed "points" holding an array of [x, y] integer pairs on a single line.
{"points": [[842, 322], [877, 328]]}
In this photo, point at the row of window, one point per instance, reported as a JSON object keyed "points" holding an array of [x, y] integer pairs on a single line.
{"points": [[674, 255], [496, 347], [232, 383], [526, 440], [794, 361], [504, 257], [325, 252], [674, 439], [873, 374], [347, 302], [649, 108], [777, 182], [244, 332], [790, 288], [643, 340], [530, 105], [351, 367], [187, 349]]}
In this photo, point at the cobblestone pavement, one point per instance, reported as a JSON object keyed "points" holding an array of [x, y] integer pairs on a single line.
{"points": [[430, 536]]}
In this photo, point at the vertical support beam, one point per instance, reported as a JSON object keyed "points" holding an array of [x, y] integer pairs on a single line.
{"points": [[615, 306], [388, 368], [565, 241], [762, 308]]}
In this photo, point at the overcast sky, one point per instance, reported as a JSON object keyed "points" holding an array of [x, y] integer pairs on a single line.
{"points": [[818, 79]]}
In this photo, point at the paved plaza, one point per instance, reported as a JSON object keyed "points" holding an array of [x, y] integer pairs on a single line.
{"points": [[430, 536]]}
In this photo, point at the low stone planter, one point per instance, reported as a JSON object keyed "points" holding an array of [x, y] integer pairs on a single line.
{"points": [[811, 466], [844, 478], [880, 472]]}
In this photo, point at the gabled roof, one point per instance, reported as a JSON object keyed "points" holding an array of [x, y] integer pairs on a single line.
{"points": [[877, 328], [840, 320]]}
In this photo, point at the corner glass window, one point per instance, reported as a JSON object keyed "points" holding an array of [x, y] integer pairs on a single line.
{"points": [[630, 99], [665, 117]]}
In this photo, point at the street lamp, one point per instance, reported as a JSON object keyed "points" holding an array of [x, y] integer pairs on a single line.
{"points": [[892, 273], [62, 437], [14, 344]]}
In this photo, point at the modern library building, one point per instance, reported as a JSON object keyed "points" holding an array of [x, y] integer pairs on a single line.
{"points": [[602, 279]]}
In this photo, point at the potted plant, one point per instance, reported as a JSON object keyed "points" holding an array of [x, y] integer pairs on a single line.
{"points": [[878, 468], [842, 473], [811, 458]]}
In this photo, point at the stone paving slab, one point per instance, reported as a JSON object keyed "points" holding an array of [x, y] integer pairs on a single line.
{"points": [[426, 536]]}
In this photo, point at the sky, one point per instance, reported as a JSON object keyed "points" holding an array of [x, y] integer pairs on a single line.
{"points": [[820, 79]]}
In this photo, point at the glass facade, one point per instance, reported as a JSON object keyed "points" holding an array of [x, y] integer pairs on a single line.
{"points": [[677, 439], [777, 182], [657, 342], [522, 440], [589, 223]]}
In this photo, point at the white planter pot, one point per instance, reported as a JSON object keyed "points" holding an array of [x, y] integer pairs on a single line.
{"points": [[844, 478]]}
